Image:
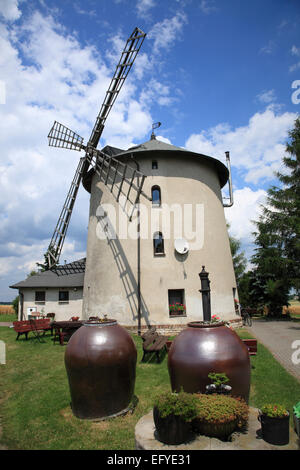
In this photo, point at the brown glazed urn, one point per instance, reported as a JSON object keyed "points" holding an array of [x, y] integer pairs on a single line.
{"points": [[202, 348], [100, 360]]}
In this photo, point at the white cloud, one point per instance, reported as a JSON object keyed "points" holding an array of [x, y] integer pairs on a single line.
{"points": [[294, 67], [167, 32], [9, 10], [49, 76], [266, 96], [158, 92], [143, 7], [163, 139], [268, 48], [245, 210], [295, 50], [208, 6], [256, 149]]}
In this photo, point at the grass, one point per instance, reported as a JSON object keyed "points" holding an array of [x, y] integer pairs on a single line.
{"points": [[35, 400], [7, 313], [8, 317]]}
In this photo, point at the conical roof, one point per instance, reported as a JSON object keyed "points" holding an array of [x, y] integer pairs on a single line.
{"points": [[155, 145]]}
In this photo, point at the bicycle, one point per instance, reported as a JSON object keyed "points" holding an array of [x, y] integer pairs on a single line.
{"points": [[246, 318]]}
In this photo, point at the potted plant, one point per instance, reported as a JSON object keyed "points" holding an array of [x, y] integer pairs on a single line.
{"points": [[215, 319], [218, 385], [274, 419], [220, 415], [296, 416], [173, 414], [177, 309]]}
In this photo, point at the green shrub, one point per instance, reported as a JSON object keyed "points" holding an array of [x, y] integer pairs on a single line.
{"points": [[222, 409], [180, 404], [274, 410], [218, 379]]}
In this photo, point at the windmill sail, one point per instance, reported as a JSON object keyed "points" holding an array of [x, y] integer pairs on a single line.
{"points": [[121, 178], [62, 136], [123, 181], [61, 228], [131, 49]]}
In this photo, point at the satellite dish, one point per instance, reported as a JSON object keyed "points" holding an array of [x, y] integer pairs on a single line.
{"points": [[181, 246]]}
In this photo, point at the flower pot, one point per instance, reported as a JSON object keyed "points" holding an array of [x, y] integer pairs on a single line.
{"points": [[219, 430], [275, 430], [172, 429], [296, 424], [175, 313], [205, 347], [100, 361]]}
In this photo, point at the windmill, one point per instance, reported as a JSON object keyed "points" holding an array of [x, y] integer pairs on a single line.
{"points": [[110, 170]]}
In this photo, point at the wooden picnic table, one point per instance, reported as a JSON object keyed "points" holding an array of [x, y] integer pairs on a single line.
{"points": [[65, 328]]}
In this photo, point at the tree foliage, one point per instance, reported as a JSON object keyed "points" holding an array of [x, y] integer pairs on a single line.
{"points": [[277, 239], [45, 265], [238, 257], [15, 304]]}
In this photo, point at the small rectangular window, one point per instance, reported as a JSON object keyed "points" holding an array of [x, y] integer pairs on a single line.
{"points": [[40, 296], [154, 165], [158, 244], [176, 302], [63, 296]]}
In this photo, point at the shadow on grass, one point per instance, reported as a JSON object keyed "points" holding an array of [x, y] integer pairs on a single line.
{"points": [[151, 357]]}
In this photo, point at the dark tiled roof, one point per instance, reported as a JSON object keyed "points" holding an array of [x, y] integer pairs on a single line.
{"points": [[65, 276], [154, 145]]}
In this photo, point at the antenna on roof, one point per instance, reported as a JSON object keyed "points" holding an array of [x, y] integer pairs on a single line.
{"points": [[155, 125]]}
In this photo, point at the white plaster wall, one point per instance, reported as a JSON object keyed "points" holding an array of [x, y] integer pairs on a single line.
{"points": [[62, 310], [111, 267]]}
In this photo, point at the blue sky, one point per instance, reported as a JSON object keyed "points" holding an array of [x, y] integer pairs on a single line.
{"points": [[217, 74]]}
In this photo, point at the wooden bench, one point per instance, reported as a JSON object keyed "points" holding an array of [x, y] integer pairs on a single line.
{"points": [[251, 345], [26, 326], [153, 343]]}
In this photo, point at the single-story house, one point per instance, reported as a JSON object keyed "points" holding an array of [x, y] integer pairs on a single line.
{"points": [[58, 291]]}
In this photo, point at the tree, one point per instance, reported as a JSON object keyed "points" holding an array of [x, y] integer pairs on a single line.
{"points": [[45, 266], [32, 273], [269, 284], [15, 304], [282, 213], [238, 257], [277, 239]]}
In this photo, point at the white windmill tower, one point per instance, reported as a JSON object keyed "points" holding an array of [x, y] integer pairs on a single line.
{"points": [[137, 279]]}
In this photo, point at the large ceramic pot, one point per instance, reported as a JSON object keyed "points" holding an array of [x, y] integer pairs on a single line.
{"points": [[100, 361], [202, 348]]}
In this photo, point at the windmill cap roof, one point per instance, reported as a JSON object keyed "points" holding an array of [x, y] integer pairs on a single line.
{"points": [[155, 145]]}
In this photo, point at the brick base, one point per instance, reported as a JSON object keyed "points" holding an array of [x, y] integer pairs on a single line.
{"points": [[172, 330]]}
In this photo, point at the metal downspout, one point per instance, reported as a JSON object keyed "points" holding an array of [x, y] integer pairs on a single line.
{"points": [[230, 204], [138, 257]]}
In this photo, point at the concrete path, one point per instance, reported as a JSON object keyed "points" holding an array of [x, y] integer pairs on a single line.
{"points": [[282, 338], [250, 439]]}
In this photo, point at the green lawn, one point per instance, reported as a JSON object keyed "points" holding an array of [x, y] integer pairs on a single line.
{"points": [[6, 317], [35, 400]]}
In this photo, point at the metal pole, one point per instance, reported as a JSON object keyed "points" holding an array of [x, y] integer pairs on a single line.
{"points": [[230, 204], [205, 291]]}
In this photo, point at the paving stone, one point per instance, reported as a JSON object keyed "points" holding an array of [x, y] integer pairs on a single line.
{"points": [[278, 337], [145, 438]]}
